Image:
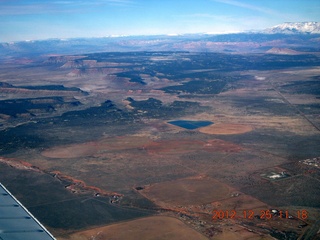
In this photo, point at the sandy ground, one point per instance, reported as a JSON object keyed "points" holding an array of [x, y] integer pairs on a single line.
{"points": [[95, 147], [139, 142], [185, 145], [226, 129], [188, 191], [151, 228]]}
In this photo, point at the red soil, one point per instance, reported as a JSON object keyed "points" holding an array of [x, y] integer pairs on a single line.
{"points": [[181, 146]]}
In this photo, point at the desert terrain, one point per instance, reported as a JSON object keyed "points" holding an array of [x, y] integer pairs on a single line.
{"points": [[87, 147]]}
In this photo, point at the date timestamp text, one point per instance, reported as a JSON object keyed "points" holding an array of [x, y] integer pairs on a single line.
{"points": [[261, 214]]}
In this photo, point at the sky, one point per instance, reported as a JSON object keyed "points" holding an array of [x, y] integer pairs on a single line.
{"points": [[22, 20]]}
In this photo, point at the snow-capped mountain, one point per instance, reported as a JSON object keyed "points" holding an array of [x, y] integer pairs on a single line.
{"points": [[291, 28]]}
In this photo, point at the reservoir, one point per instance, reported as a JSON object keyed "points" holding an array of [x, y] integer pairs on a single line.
{"points": [[188, 124]]}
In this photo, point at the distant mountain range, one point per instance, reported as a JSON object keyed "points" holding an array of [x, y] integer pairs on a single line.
{"points": [[290, 38], [295, 28]]}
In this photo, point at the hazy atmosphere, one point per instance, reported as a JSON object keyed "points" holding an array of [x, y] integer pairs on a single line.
{"points": [[160, 119], [32, 19]]}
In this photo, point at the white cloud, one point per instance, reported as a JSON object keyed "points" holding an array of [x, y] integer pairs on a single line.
{"points": [[249, 6], [58, 6]]}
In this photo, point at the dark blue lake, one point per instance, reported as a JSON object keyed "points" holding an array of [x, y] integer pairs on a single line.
{"points": [[190, 124]]}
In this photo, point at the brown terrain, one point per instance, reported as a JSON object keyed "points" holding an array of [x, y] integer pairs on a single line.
{"points": [[226, 129], [159, 227], [150, 179], [188, 191]]}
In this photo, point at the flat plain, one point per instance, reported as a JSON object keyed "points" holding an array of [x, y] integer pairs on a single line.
{"points": [[86, 145]]}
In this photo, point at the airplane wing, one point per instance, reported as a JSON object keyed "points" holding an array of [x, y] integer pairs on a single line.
{"points": [[16, 222]]}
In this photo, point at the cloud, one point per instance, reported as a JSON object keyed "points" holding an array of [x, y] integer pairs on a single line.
{"points": [[119, 2], [223, 23], [249, 6], [23, 9], [208, 16], [20, 7]]}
